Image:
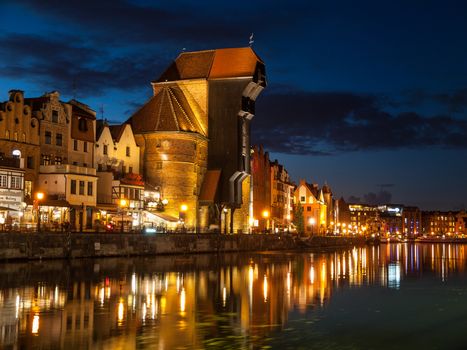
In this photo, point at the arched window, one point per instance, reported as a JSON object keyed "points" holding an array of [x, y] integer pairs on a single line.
{"points": [[23, 138], [7, 134], [15, 136]]}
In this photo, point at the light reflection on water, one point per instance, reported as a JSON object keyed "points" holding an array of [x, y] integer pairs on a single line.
{"points": [[352, 298]]}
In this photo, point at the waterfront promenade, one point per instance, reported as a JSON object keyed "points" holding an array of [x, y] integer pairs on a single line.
{"points": [[87, 245]]}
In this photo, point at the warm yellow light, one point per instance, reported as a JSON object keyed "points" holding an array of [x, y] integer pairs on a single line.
{"points": [[40, 196], [265, 214], [184, 207], [35, 324], [120, 311], [288, 216], [312, 221], [123, 202]]}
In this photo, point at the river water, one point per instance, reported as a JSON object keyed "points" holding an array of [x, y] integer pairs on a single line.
{"points": [[395, 296]]}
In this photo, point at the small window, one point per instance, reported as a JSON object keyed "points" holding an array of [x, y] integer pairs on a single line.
{"points": [[158, 165], [127, 151], [55, 116], [15, 136], [82, 125], [81, 188], [130, 169], [302, 198], [58, 160], [27, 188], [99, 167], [308, 208], [3, 181], [75, 145], [16, 182], [105, 150], [73, 187], [23, 138], [30, 162], [58, 139], [89, 188], [85, 146], [7, 134], [48, 137]]}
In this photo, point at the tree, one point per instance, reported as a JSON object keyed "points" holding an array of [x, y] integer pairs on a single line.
{"points": [[298, 218]]}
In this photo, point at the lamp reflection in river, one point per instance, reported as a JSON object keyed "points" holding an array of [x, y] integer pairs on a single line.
{"points": [[182, 301], [312, 274], [265, 288], [120, 312], [35, 325]]}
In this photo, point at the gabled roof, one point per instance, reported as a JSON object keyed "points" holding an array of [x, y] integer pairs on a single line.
{"points": [[168, 110], [212, 64], [100, 125], [116, 131]]}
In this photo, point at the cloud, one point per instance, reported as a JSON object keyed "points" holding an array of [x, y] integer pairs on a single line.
{"points": [[69, 64], [372, 198], [299, 122]]}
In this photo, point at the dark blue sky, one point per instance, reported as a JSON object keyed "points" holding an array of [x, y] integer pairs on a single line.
{"points": [[360, 93]]}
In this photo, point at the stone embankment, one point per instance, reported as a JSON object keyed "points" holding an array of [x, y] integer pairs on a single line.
{"points": [[90, 245]]}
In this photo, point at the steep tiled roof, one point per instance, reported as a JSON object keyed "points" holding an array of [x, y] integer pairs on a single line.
{"points": [[212, 64], [168, 110]]}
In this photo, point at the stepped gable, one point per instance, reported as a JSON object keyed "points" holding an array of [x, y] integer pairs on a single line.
{"points": [[212, 64], [168, 110]]}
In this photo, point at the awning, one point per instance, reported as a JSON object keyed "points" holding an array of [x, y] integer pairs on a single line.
{"points": [[54, 203], [163, 216], [2, 208], [209, 187]]}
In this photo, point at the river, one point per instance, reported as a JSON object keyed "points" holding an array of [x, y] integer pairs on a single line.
{"points": [[395, 296]]}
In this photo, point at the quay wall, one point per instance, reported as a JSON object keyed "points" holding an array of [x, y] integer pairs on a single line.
{"points": [[93, 245]]}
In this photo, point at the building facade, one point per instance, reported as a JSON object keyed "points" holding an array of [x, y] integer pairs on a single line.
{"points": [[311, 199], [197, 123]]}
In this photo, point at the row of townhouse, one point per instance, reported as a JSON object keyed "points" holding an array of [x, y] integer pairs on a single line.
{"points": [[59, 150]]}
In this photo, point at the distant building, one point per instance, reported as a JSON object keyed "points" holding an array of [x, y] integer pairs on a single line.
{"points": [[439, 223], [411, 222], [281, 199], [311, 198], [261, 178]]}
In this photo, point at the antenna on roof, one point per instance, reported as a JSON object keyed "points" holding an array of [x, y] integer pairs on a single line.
{"points": [[251, 41], [101, 110]]}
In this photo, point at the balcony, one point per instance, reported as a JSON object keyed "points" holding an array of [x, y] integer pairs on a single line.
{"points": [[66, 169]]}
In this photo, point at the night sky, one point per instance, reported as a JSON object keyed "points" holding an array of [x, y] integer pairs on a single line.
{"points": [[369, 96]]}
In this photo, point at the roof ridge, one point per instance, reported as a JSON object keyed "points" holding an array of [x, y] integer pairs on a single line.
{"points": [[173, 111], [182, 109]]}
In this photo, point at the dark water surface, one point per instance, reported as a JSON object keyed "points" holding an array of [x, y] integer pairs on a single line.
{"points": [[397, 296]]}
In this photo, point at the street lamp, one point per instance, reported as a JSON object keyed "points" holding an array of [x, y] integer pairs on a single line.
{"points": [[123, 203], [182, 214], [39, 196], [225, 220], [266, 218], [312, 223]]}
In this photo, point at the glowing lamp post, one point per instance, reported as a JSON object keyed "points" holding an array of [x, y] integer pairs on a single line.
{"points": [[312, 223], [266, 218], [123, 203], [39, 197]]}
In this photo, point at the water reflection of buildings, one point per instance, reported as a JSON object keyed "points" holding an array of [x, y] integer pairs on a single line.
{"points": [[245, 299]]}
